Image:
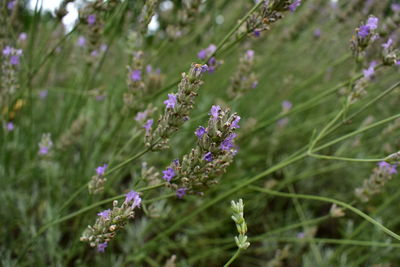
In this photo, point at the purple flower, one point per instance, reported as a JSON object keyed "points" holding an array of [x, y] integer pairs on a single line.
{"points": [[254, 84], [227, 144], [14, 60], [211, 49], [208, 157], [176, 162], [43, 150], [250, 54], [363, 31], [181, 192], [11, 4], [384, 166], [397, 63], [101, 170], [212, 61], [387, 44], [136, 75], [286, 106], [148, 125], [94, 53], [134, 197], [91, 19], [202, 54], [200, 131], [43, 94], [215, 111], [372, 22], [22, 36], [171, 101], [204, 68], [10, 126], [7, 51], [103, 47], [141, 116], [283, 122], [293, 6], [317, 32], [149, 68], [81, 41], [169, 173], [104, 214], [256, 33], [235, 123], [370, 71], [101, 247], [395, 7]]}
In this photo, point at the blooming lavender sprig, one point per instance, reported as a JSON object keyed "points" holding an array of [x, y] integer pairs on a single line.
{"points": [[244, 79], [212, 62], [390, 54], [45, 145], [8, 76], [96, 183], [211, 156], [110, 221], [241, 226], [374, 185], [363, 37], [269, 13], [178, 107]]}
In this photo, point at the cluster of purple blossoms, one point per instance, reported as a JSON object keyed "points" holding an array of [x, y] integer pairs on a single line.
{"points": [[45, 144], [208, 54], [96, 183], [12, 54], [370, 71], [365, 30], [390, 53], [293, 6], [211, 156], [382, 174], [244, 79], [136, 75], [91, 19], [364, 36], [178, 107], [110, 221], [10, 126]]}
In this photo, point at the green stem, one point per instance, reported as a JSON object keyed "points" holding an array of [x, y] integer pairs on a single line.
{"points": [[318, 156], [233, 258]]}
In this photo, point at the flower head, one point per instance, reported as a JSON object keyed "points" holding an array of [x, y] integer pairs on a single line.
{"points": [[256, 33], [91, 19], [235, 123], [208, 157], [136, 75], [181, 192], [133, 197], [372, 22], [368, 73], [286, 106], [293, 6], [81, 41], [250, 54], [200, 131], [101, 170], [363, 31], [171, 101], [22, 36], [169, 173], [104, 214], [101, 247], [227, 144], [391, 169], [202, 54], [387, 44], [141, 116], [148, 125], [10, 126], [215, 111]]}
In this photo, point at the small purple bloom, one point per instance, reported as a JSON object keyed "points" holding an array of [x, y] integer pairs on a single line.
{"points": [[395, 7], [254, 84], [250, 54], [208, 157], [391, 169], [363, 31], [368, 73], [94, 53], [256, 33], [171, 101], [293, 6], [101, 247], [104, 214], [204, 68], [176, 162], [10, 126], [235, 123], [11, 4], [169, 173], [7, 51], [227, 144], [134, 197], [317, 32], [14, 60], [286, 105], [212, 61], [215, 111], [148, 125], [101, 170], [103, 47], [388, 43], [136, 75], [211, 48], [372, 22], [202, 54], [91, 19], [22, 36], [81, 41], [397, 63], [200, 131], [43, 94], [141, 116], [149, 68], [43, 150], [181, 192], [283, 122]]}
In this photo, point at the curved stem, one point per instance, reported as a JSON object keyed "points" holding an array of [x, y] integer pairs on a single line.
{"points": [[233, 258]]}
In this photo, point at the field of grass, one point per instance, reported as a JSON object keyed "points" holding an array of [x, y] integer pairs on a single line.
{"points": [[298, 100]]}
